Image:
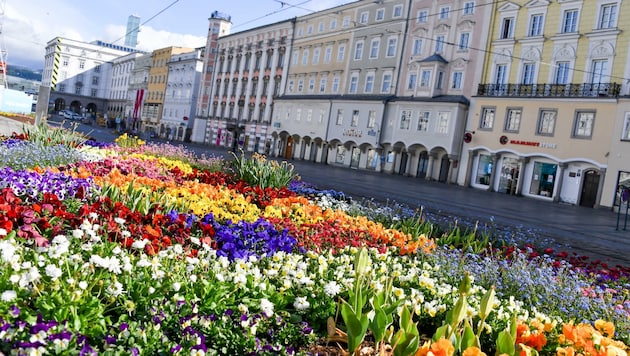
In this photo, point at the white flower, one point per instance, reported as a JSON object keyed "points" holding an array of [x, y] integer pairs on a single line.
{"points": [[3, 232], [119, 220], [8, 296], [78, 233], [177, 286], [83, 285], [53, 272], [93, 216], [332, 288], [151, 290], [266, 307], [115, 289], [301, 303], [139, 244]]}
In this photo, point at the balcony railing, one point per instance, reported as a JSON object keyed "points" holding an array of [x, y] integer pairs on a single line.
{"points": [[583, 90]]}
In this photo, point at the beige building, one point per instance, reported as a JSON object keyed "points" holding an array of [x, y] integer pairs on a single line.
{"points": [[156, 88], [543, 119], [317, 69]]}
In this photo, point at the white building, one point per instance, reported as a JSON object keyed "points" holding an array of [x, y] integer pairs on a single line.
{"points": [[180, 98], [79, 73], [138, 85], [120, 104]]}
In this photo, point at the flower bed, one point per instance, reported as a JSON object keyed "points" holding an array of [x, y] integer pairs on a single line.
{"points": [[144, 249]]}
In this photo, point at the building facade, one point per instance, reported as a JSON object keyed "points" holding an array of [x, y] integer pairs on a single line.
{"points": [[79, 73], [218, 25], [138, 86], [120, 104], [153, 105], [548, 109], [180, 101], [248, 75]]}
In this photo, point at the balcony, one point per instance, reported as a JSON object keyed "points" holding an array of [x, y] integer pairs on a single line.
{"points": [[583, 90]]}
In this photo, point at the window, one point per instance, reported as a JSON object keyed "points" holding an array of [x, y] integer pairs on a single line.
{"points": [[625, 132], [341, 52], [300, 86], [546, 122], [358, 51], [499, 78], [311, 85], [536, 25], [598, 71], [291, 85], [309, 115], [93, 92], [387, 83], [397, 11], [439, 44], [380, 15], [507, 29], [339, 116], [97, 68], [442, 122], [423, 121], [440, 80], [463, 41], [354, 80], [322, 85], [296, 57], [423, 16], [94, 80], [444, 12], [391, 46], [425, 78], [562, 73], [81, 64], [65, 61], [569, 21], [457, 80], [484, 170], [328, 54], [300, 31], [316, 53], [608, 16], [584, 124], [487, 118], [355, 118], [543, 179], [309, 29], [417, 47], [369, 83], [469, 8], [412, 80], [529, 70], [305, 57], [298, 114], [363, 18], [371, 122], [345, 22], [374, 48], [335, 84], [405, 119], [513, 120], [333, 24]]}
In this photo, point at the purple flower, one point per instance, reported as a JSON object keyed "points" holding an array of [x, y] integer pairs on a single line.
{"points": [[176, 348], [110, 340], [64, 335], [123, 326], [15, 311]]}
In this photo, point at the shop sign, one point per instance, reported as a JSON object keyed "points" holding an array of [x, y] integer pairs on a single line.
{"points": [[352, 133], [534, 144]]}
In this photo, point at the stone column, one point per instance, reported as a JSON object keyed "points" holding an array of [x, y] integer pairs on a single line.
{"points": [[432, 157], [600, 187], [522, 162], [495, 163], [469, 172]]}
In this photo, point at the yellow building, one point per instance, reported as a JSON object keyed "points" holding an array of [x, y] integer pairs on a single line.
{"points": [[544, 117], [154, 99]]}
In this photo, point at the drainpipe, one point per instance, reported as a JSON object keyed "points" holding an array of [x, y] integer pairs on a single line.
{"points": [[330, 102]]}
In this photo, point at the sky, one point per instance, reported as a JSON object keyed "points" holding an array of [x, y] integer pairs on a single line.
{"points": [[26, 26]]}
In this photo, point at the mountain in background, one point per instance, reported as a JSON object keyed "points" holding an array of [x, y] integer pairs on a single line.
{"points": [[24, 73]]}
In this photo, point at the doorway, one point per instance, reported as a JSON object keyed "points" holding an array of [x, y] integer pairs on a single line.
{"points": [[354, 160], [289, 150], [589, 189], [402, 169], [445, 165]]}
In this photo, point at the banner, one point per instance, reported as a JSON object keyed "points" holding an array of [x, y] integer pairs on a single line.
{"points": [[137, 106]]}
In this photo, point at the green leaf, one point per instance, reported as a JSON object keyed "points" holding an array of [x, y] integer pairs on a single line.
{"points": [[356, 327], [468, 338], [505, 343], [487, 303]]}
